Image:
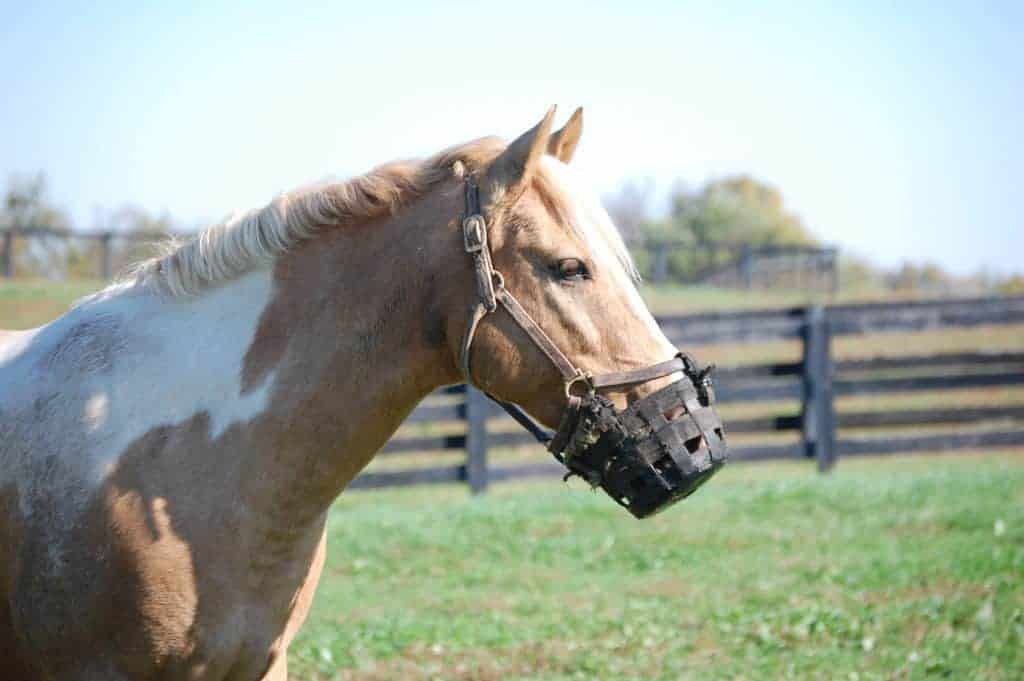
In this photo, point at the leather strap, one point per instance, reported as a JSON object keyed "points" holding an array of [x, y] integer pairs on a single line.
{"points": [[478, 313], [617, 378], [491, 290], [566, 428], [538, 432], [568, 370], [474, 240]]}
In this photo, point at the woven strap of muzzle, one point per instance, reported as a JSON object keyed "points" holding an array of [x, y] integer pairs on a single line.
{"points": [[651, 415]]}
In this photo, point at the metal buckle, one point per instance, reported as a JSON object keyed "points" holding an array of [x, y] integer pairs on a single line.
{"points": [[580, 377], [474, 233]]}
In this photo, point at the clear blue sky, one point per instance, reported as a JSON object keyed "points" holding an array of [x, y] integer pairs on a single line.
{"points": [[894, 129]]}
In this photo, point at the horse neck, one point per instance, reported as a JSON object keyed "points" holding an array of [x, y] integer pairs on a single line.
{"points": [[352, 339]]}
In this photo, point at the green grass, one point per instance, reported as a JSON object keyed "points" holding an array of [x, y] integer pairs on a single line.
{"points": [[683, 298], [889, 568], [26, 303]]}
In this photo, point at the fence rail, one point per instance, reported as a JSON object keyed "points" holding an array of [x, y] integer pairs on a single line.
{"points": [[813, 383]]}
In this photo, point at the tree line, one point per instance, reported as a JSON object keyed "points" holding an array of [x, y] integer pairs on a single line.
{"points": [[710, 221], [704, 224]]}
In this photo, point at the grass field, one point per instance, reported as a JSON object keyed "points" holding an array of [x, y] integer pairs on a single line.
{"points": [[28, 303], [895, 568]]}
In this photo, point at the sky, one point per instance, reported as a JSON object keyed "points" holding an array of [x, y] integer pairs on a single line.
{"points": [[895, 130]]}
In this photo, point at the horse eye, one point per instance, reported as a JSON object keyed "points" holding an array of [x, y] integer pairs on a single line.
{"points": [[572, 268]]}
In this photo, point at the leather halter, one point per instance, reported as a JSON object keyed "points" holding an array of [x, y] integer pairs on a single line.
{"points": [[491, 292]]}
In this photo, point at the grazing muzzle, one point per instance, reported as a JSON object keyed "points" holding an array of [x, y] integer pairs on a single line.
{"points": [[655, 452]]}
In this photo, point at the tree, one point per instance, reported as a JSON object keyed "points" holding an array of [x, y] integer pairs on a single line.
{"points": [[146, 233], [737, 210], [927, 277], [27, 205], [718, 220]]}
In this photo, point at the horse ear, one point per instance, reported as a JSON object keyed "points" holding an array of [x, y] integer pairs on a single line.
{"points": [[562, 144], [509, 174]]}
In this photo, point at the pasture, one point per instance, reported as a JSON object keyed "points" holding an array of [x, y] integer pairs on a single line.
{"points": [[27, 303], [888, 568], [893, 567]]}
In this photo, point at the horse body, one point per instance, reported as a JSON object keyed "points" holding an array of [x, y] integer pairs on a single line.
{"points": [[112, 418], [157, 513], [169, 448]]}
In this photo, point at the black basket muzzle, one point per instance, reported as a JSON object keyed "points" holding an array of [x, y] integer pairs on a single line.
{"points": [[653, 453]]}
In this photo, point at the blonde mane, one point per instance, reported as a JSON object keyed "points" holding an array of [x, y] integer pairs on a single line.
{"points": [[248, 240]]}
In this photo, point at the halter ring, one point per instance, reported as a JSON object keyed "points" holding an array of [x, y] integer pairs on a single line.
{"points": [[581, 377]]}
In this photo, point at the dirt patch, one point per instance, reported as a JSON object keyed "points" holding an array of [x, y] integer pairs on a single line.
{"points": [[919, 592]]}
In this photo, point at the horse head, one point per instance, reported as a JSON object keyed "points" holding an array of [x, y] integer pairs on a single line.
{"points": [[554, 323]]}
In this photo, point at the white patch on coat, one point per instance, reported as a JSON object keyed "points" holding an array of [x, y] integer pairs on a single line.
{"points": [[95, 414], [176, 358]]}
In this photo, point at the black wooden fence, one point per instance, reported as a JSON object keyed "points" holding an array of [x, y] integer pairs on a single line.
{"points": [[813, 383]]}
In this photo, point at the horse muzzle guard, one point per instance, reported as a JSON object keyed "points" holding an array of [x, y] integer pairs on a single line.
{"points": [[655, 452]]}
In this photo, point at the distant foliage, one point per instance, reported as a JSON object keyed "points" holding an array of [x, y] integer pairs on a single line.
{"points": [[27, 205], [711, 223], [1012, 285], [927, 277], [733, 210], [153, 231]]}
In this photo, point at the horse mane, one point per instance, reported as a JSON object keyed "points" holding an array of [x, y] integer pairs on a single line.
{"points": [[245, 241]]}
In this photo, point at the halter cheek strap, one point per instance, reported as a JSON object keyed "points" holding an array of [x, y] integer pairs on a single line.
{"points": [[491, 291]]}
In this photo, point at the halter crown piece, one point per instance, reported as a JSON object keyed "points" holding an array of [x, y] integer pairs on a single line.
{"points": [[644, 459]]}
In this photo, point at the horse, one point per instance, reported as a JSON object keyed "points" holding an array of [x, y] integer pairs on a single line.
{"points": [[169, 447]]}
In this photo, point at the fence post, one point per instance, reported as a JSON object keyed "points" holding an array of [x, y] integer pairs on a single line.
{"points": [[105, 256], [476, 439], [747, 267], [833, 263], [818, 409], [659, 272], [7, 255]]}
